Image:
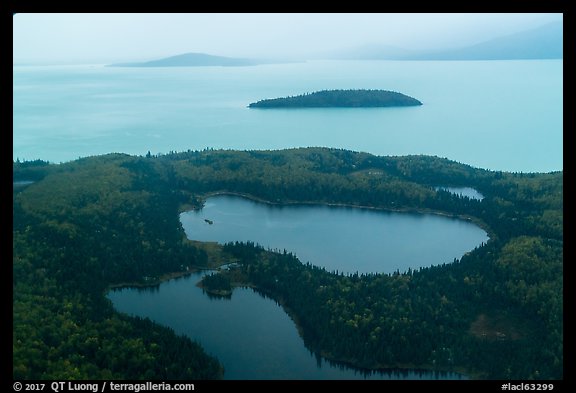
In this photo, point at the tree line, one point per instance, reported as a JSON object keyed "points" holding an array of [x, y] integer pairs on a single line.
{"points": [[360, 98], [100, 221]]}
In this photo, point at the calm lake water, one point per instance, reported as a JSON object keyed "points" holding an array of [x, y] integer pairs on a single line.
{"points": [[501, 115], [463, 192], [337, 238], [251, 335]]}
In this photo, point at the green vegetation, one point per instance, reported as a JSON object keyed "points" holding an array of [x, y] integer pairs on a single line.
{"points": [[101, 221], [217, 284], [84, 226], [340, 99]]}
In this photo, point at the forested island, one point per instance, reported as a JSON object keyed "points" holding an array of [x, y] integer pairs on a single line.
{"points": [[84, 226], [360, 98]]}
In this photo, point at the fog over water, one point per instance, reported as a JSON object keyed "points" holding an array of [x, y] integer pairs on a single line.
{"points": [[102, 38]]}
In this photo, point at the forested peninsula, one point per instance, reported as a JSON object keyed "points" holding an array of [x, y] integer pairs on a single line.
{"points": [[84, 226], [360, 98]]}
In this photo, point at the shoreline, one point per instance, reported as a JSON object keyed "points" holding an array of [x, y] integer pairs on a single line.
{"points": [[297, 324], [217, 263], [471, 219], [138, 284], [327, 357]]}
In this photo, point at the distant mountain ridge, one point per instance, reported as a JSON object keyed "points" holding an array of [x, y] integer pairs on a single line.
{"points": [[191, 60], [544, 42]]}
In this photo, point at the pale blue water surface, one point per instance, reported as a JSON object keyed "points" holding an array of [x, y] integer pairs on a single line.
{"points": [[500, 115]]}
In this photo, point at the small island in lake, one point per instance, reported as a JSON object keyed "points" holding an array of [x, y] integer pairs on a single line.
{"points": [[218, 285], [360, 98]]}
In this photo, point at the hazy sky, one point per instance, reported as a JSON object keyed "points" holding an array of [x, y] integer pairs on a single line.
{"points": [[104, 38]]}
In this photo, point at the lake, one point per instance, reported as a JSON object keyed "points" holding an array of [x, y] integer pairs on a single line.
{"points": [[499, 115], [463, 192], [252, 335], [345, 239]]}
